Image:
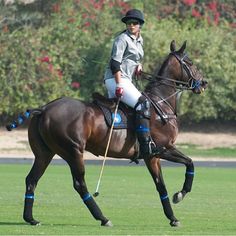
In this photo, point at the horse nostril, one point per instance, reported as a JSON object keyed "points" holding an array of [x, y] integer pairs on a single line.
{"points": [[204, 83]]}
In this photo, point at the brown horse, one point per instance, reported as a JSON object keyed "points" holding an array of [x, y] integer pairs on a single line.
{"points": [[67, 127]]}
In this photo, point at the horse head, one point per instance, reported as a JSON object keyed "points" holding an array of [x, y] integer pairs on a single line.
{"points": [[184, 71]]}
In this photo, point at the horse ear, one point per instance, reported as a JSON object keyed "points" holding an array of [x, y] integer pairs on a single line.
{"points": [[181, 50], [172, 46]]}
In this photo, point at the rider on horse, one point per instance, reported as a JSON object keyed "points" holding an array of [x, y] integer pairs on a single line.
{"points": [[127, 53]]}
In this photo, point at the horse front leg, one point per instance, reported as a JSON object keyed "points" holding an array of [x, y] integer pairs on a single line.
{"points": [[154, 168], [175, 155]]}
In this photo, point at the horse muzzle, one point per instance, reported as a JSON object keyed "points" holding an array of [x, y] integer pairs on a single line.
{"points": [[200, 87]]}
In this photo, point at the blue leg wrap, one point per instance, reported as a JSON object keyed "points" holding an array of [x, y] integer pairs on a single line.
{"points": [[27, 114], [29, 196], [86, 197], [20, 120], [190, 172], [164, 197], [13, 125]]}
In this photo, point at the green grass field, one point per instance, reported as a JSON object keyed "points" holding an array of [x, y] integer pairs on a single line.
{"points": [[127, 197], [196, 150]]}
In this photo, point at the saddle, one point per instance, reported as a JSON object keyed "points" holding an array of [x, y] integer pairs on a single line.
{"points": [[125, 117]]}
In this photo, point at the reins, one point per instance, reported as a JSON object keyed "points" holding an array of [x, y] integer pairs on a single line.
{"points": [[179, 86], [151, 77], [182, 85]]}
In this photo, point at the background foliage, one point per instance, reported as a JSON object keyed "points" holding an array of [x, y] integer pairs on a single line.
{"points": [[50, 49]]}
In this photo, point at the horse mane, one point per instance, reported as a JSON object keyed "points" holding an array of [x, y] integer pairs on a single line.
{"points": [[157, 71]]}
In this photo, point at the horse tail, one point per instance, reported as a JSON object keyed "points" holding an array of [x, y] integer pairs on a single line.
{"points": [[23, 117]]}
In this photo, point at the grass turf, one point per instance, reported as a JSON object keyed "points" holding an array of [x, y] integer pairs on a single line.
{"points": [[127, 197], [196, 150]]}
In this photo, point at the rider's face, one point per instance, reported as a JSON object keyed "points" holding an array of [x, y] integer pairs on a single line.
{"points": [[133, 27]]}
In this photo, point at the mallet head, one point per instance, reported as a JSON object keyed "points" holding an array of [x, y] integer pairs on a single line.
{"points": [[96, 194]]}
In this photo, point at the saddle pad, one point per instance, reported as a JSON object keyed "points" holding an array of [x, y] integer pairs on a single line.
{"points": [[122, 120]]}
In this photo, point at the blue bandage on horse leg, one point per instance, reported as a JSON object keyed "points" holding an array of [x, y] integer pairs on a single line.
{"points": [[20, 120], [167, 207], [93, 208], [189, 175], [13, 125], [86, 197], [29, 196], [27, 114], [189, 172], [164, 197]]}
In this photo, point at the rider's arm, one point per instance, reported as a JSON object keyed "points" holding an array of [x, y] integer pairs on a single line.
{"points": [[115, 68]]}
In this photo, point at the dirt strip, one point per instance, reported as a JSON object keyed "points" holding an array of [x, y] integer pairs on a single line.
{"points": [[14, 144]]}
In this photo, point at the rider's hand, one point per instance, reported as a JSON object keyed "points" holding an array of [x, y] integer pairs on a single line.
{"points": [[138, 70], [119, 92]]}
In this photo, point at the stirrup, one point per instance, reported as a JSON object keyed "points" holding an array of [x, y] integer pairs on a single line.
{"points": [[154, 149]]}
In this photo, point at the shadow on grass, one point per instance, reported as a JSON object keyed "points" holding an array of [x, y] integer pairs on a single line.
{"points": [[12, 223], [45, 224]]}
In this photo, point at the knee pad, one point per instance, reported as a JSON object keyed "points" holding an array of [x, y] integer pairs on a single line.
{"points": [[143, 107]]}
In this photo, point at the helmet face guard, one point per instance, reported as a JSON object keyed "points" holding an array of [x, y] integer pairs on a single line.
{"points": [[134, 14]]}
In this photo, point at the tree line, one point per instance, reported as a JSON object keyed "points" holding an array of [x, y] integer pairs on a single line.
{"points": [[50, 49]]}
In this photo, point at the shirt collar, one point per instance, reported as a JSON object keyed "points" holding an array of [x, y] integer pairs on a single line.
{"points": [[139, 39]]}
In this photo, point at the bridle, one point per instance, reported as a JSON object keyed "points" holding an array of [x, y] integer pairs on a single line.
{"points": [[180, 85], [192, 82]]}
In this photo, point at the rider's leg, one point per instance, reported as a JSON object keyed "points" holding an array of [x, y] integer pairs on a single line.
{"points": [[133, 98], [131, 93], [147, 146]]}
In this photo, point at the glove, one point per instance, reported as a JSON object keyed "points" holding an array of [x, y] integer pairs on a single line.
{"points": [[119, 92]]}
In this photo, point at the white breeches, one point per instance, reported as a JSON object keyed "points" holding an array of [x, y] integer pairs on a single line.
{"points": [[131, 93]]}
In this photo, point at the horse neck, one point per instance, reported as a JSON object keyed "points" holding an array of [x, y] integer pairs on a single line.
{"points": [[161, 89]]}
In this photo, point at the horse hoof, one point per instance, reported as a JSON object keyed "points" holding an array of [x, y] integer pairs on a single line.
{"points": [[34, 222], [107, 224], [31, 221], [177, 197], [175, 223]]}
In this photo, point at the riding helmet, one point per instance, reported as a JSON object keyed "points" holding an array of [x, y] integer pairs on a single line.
{"points": [[134, 14]]}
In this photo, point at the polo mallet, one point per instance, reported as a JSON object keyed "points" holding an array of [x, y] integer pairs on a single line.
{"points": [[107, 147]]}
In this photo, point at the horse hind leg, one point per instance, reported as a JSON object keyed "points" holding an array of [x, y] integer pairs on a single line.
{"points": [[78, 173], [43, 156]]}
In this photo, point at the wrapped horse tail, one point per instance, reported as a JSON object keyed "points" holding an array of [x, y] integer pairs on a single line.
{"points": [[23, 117]]}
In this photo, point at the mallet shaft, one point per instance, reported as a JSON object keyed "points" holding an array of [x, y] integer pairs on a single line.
{"points": [[107, 147]]}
